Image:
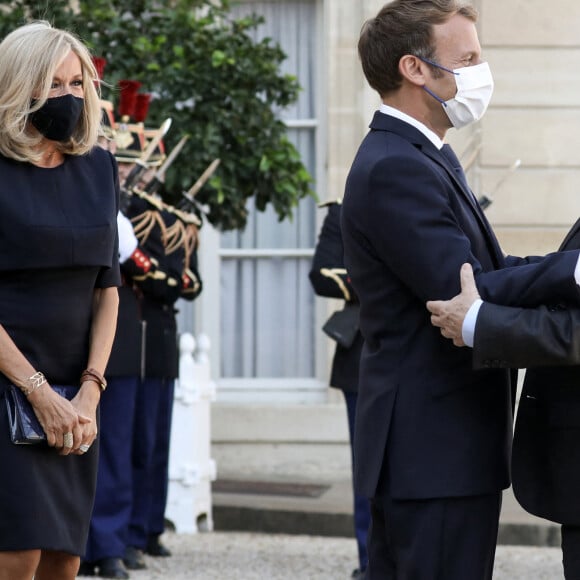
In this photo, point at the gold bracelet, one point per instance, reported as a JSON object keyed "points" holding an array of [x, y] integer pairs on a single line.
{"points": [[95, 376], [34, 382]]}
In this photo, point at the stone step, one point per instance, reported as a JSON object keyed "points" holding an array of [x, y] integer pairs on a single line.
{"points": [[324, 509]]}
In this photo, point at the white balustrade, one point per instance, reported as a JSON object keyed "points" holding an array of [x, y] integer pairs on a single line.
{"points": [[191, 469]]}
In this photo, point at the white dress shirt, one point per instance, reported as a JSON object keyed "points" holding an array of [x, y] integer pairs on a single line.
{"points": [[433, 137]]}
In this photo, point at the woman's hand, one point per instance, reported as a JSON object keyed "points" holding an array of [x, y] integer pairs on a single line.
{"points": [[85, 403], [63, 424]]}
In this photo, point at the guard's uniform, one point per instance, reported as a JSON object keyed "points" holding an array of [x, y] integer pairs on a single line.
{"points": [[171, 241], [159, 266], [113, 502]]}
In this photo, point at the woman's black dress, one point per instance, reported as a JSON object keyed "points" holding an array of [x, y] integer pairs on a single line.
{"points": [[58, 242]]}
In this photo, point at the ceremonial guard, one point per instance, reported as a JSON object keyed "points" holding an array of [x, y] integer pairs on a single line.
{"points": [[171, 238], [114, 498], [329, 278], [158, 254]]}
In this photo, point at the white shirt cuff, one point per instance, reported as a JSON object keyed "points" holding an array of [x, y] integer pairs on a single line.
{"points": [[468, 328], [577, 271]]}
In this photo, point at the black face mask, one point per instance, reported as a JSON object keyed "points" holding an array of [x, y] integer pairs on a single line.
{"points": [[58, 117]]}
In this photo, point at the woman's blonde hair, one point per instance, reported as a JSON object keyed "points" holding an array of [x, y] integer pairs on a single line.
{"points": [[29, 57]]}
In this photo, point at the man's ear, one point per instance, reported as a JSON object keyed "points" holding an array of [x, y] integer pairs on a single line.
{"points": [[413, 69]]}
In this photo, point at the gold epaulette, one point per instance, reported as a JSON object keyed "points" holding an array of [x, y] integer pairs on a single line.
{"points": [[176, 236], [187, 217], [154, 201], [144, 223], [182, 234]]}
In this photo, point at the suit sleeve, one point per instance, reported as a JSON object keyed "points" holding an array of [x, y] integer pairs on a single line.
{"points": [[415, 230], [517, 261], [520, 337], [328, 274]]}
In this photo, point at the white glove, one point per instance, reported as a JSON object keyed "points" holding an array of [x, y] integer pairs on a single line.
{"points": [[127, 239]]}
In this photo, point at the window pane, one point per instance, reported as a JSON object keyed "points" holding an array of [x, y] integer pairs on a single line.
{"points": [[267, 328], [292, 24], [267, 304]]}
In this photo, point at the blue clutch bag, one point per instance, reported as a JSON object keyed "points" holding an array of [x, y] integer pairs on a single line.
{"points": [[24, 426]]}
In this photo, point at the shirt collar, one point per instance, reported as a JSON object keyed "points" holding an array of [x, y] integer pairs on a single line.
{"points": [[388, 110]]}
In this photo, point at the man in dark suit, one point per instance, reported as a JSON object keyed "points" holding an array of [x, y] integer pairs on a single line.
{"points": [[432, 439], [546, 449], [329, 278]]}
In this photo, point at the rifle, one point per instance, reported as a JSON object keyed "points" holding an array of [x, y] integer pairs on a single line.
{"points": [[484, 200], [141, 164], [192, 191], [189, 195], [159, 178]]}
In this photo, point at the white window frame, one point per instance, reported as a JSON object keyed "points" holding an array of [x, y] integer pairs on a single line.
{"points": [[206, 309]]}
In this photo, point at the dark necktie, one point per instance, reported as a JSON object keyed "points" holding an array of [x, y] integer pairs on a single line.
{"points": [[449, 154], [455, 165]]}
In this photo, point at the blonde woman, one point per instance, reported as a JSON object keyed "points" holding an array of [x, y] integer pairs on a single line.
{"points": [[58, 294]]}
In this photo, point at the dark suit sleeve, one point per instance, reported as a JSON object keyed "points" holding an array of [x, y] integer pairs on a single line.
{"points": [[414, 228], [517, 261], [328, 275], [520, 337]]}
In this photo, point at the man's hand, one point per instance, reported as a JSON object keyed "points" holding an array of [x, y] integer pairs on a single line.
{"points": [[448, 315]]}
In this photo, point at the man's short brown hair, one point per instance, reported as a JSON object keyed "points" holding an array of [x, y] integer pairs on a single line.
{"points": [[403, 27]]}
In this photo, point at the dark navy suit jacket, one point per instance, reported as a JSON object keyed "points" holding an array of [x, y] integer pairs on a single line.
{"points": [[546, 453], [427, 424]]}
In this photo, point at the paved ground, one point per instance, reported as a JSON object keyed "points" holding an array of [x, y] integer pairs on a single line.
{"points": [[249, 556], [265, 532]]}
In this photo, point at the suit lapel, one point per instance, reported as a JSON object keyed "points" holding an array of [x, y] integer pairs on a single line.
{"points": [[492, 243], [445, 162], [570, 237], [387, 123], [384, 122]]}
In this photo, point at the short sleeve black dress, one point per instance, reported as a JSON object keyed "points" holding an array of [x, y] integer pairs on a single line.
{"points": [[58, 242]]}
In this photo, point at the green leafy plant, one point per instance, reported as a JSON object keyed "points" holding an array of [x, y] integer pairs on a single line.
{"points": [[215, 81]]}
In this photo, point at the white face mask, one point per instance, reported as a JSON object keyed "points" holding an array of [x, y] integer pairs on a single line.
{"points": [[474, 90]]}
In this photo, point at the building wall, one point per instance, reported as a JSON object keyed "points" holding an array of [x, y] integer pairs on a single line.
{"points": [[534, 50], [350, 102]]}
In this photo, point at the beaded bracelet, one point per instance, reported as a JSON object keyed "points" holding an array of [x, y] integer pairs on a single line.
{"points": [[95, 376], [34, 382]]}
